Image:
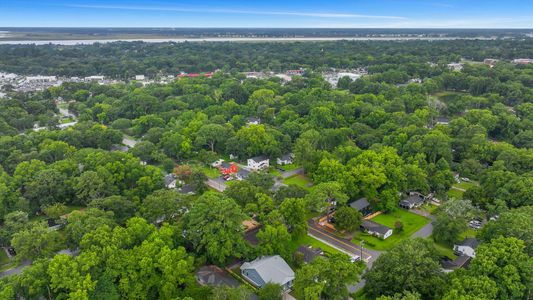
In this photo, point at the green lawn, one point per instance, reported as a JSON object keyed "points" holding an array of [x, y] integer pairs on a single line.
{"points": [[466, 185], [308, 240], [210, 171], [457, 194], [299, 180], [289, 167], [3, 257], [443, 250], [411, 223], [274, 172]]}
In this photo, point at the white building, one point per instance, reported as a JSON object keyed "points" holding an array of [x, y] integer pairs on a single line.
{"points": [[467, 247], [268, 269], [139, 77], [455, 66], [258, 163], [38, 79], [94, 78], [285, 159]]}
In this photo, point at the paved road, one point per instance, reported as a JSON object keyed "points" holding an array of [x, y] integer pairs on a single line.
{"points": [[341, 244], [16, 270]]}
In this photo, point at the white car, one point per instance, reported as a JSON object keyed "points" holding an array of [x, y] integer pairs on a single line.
{"points": [[355, 258]]}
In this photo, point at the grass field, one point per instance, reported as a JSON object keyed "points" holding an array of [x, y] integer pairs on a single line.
{"points": [[443, 250], [307, 240], [411, 223], [457, 194], [209, 171], [289, 167], [3, 257], [299, 180], [466, 185]]}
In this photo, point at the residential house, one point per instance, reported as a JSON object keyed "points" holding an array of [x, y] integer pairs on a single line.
{"points": [[285, 159], [523, 61], [187, 189], [467, 247], [267, 269], [376, 229], [258, 163], [455, 66], [214, 276], [253, 121], [309, 253], [491, 62], [414, 200], [139, 77], [226, 168], [363, 206], [242, 174], [461, 261], [170, 181]]}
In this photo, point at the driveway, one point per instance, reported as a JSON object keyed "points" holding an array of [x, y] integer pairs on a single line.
{"points": [[290, 173], [16, 270], [218, 183], [427, 230]]}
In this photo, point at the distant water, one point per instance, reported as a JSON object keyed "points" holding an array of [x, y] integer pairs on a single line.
{"points": [[273, 39]]}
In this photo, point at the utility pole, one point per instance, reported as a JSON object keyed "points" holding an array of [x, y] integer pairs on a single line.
{"points": [[362, 243]]}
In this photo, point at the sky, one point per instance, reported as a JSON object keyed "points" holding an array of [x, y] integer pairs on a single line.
{"points": [[269, 13]]}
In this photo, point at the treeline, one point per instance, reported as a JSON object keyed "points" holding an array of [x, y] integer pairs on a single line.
{"points": [[124, 60]]}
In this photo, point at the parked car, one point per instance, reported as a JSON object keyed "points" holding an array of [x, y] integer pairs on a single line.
{"points": [[11, 251]]}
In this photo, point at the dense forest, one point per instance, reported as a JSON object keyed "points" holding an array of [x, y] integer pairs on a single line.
{"points": [[376, 137], [123, 60]]}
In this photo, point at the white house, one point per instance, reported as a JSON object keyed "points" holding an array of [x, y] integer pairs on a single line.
{"points": [[139, 77], [267, 269], [170, 181], [455, 66], [258, 163], [285, 159], [253, 121], [376, 229], [467, 247]]}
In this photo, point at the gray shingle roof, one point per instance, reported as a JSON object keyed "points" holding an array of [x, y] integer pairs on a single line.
{"points": [[375, 227], [360, 204], [470, 242], [258, 159], [213, 275], [271, 269]]}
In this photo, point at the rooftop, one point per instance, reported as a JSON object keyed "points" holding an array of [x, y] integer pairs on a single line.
{"points": [[360, 204]]}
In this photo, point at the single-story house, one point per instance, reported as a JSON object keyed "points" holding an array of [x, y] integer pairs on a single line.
{"points": [[215, 276], [187, 189], [170, 181], [227, 168], [460, 262], [267, 269], [467, 247], [414, 200], [285, 159], [253, 121], [242, 174], [363, 206], [376, 229], [258, 162], [442, 121], [309, 253]]}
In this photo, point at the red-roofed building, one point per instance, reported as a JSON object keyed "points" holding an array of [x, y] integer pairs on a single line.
{"points": [[226, 168]]}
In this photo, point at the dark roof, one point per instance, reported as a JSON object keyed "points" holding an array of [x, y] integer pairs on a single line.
{"points": [[459, 262], [413, 199], [243, 173], [215, 276], [470, 242], [225, 165], [259, 158], [169, 178], [375, 227], [287, 156], [251, 236], [309, 253], [187, 188], [360, 204]]}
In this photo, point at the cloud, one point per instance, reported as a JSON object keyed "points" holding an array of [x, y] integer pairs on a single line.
{"points": [[238, 11]]}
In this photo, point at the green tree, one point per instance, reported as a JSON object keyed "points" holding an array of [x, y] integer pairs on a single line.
{"points": [[214, 227], [389, 273], [270, 291], [452, 218], [294, 216], [274, 240], [35, 242], [347, 219]]}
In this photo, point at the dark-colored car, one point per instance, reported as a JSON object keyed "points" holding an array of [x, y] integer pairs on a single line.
{"points": [[11, 251]]}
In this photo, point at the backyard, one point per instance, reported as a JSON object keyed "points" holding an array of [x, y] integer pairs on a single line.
{"points": [[299, 180], [411, 223]]}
